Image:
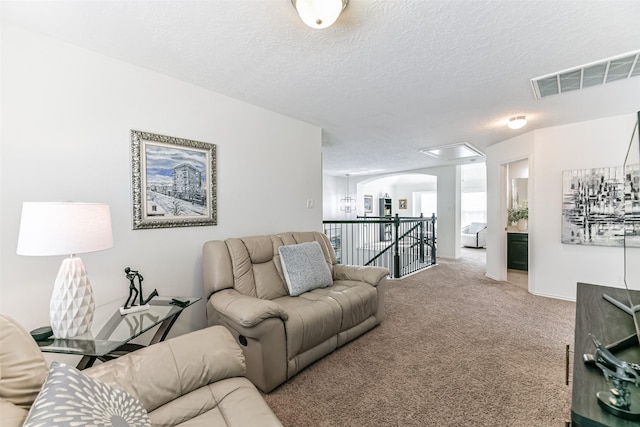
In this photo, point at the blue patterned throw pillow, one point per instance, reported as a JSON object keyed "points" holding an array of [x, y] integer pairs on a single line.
{"points": [[70, 398], [304, 267]]}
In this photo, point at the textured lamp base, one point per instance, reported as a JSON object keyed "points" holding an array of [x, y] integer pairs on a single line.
{"points": [[72, 307]]}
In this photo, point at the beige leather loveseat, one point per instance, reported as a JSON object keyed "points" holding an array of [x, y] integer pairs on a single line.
{"points": [[281, 334], [195, 379]]}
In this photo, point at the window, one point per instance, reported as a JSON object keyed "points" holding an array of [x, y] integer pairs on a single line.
{"points": [[474, 208], [473, 198]]}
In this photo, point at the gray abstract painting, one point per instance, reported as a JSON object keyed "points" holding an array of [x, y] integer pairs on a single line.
{"points": [[593, 207]]}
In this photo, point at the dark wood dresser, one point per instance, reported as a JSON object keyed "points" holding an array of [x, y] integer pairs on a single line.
{"points": [[608, 324]]}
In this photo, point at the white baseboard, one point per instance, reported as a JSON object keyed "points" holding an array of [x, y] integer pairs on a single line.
{"points": [[541, 294]]}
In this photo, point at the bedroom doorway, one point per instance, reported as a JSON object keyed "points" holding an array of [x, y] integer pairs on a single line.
{"points": [[473, 212]]}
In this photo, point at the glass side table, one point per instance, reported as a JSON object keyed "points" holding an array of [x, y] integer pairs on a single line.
{"points": [[111, 332]]}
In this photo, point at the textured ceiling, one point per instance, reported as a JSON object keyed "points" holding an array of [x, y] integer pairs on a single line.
{"points": [[389, 78]]}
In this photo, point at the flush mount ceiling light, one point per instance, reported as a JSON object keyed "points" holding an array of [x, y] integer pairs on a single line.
{"points": [[456, 151], [319, 13], [517, 122]]}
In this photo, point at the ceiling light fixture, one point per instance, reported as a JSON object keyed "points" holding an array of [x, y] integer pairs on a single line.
{"points": [[347, 204], [452, 152], [517, 122], [319, 13]]}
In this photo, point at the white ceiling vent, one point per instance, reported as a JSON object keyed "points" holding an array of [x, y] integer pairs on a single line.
{"points": [[458, 151], [596, 73]]}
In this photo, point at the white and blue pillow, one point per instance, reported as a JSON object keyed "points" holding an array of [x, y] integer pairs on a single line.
{"points": [[70, 398]]}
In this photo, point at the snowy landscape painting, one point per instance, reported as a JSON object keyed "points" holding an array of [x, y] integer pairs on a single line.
{"points": [[173, 181]]}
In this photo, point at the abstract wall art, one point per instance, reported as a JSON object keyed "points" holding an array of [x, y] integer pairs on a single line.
{"points": [[593, 206]]}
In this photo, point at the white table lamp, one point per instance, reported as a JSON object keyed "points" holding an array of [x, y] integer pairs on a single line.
{"points": [[48, 229]]}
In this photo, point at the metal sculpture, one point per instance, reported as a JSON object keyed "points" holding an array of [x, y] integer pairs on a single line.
{"points": [[618, 400], [134, 292]]}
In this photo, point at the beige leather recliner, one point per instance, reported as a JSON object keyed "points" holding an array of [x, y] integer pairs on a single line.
{"points": [[281, 334], [195, 379]]}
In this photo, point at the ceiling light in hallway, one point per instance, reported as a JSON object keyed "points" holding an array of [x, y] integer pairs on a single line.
{"points": [[517, 122], [319, 13]]}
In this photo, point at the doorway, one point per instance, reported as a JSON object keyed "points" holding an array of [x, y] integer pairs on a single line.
{"points": [[517, 227], [473, 194]]}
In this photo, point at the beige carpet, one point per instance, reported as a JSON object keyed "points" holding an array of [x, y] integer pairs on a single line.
{"points": [[456, 349]]}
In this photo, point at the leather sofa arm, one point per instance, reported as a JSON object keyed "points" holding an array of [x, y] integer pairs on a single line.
{"points": [[12, 415], [162, 372], [245, 310], [369, 274]]}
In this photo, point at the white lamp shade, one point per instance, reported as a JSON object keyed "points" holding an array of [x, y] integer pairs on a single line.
{"points": [[319, 13], [64, 228]]}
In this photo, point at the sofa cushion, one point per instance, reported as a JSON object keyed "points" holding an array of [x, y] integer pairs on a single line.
{"points": [[256, 266], [313, 318], [12, 415], [358, 301], [304, 267], [229, 402], [70, 398], [23, 368]]}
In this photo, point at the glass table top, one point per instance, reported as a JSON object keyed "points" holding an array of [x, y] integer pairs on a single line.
{"points": [[111, 330]]}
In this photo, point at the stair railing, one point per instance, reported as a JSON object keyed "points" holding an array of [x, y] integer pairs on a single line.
{"points": [[410, 247]]}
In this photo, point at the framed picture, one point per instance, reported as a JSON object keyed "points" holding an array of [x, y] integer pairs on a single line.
{"points": [[368, 203], [593, 206], [173, 181], [402, 204]]}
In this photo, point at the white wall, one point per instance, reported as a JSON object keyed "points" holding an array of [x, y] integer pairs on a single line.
{"points": [[518, 169], [449, 182], [66, 117], [555, 268], [399, 186], [333, 189], [597, 143], [406, 191], [474, 178]]}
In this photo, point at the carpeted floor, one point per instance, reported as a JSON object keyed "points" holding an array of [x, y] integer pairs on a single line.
{"points": [[456, 349]]}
